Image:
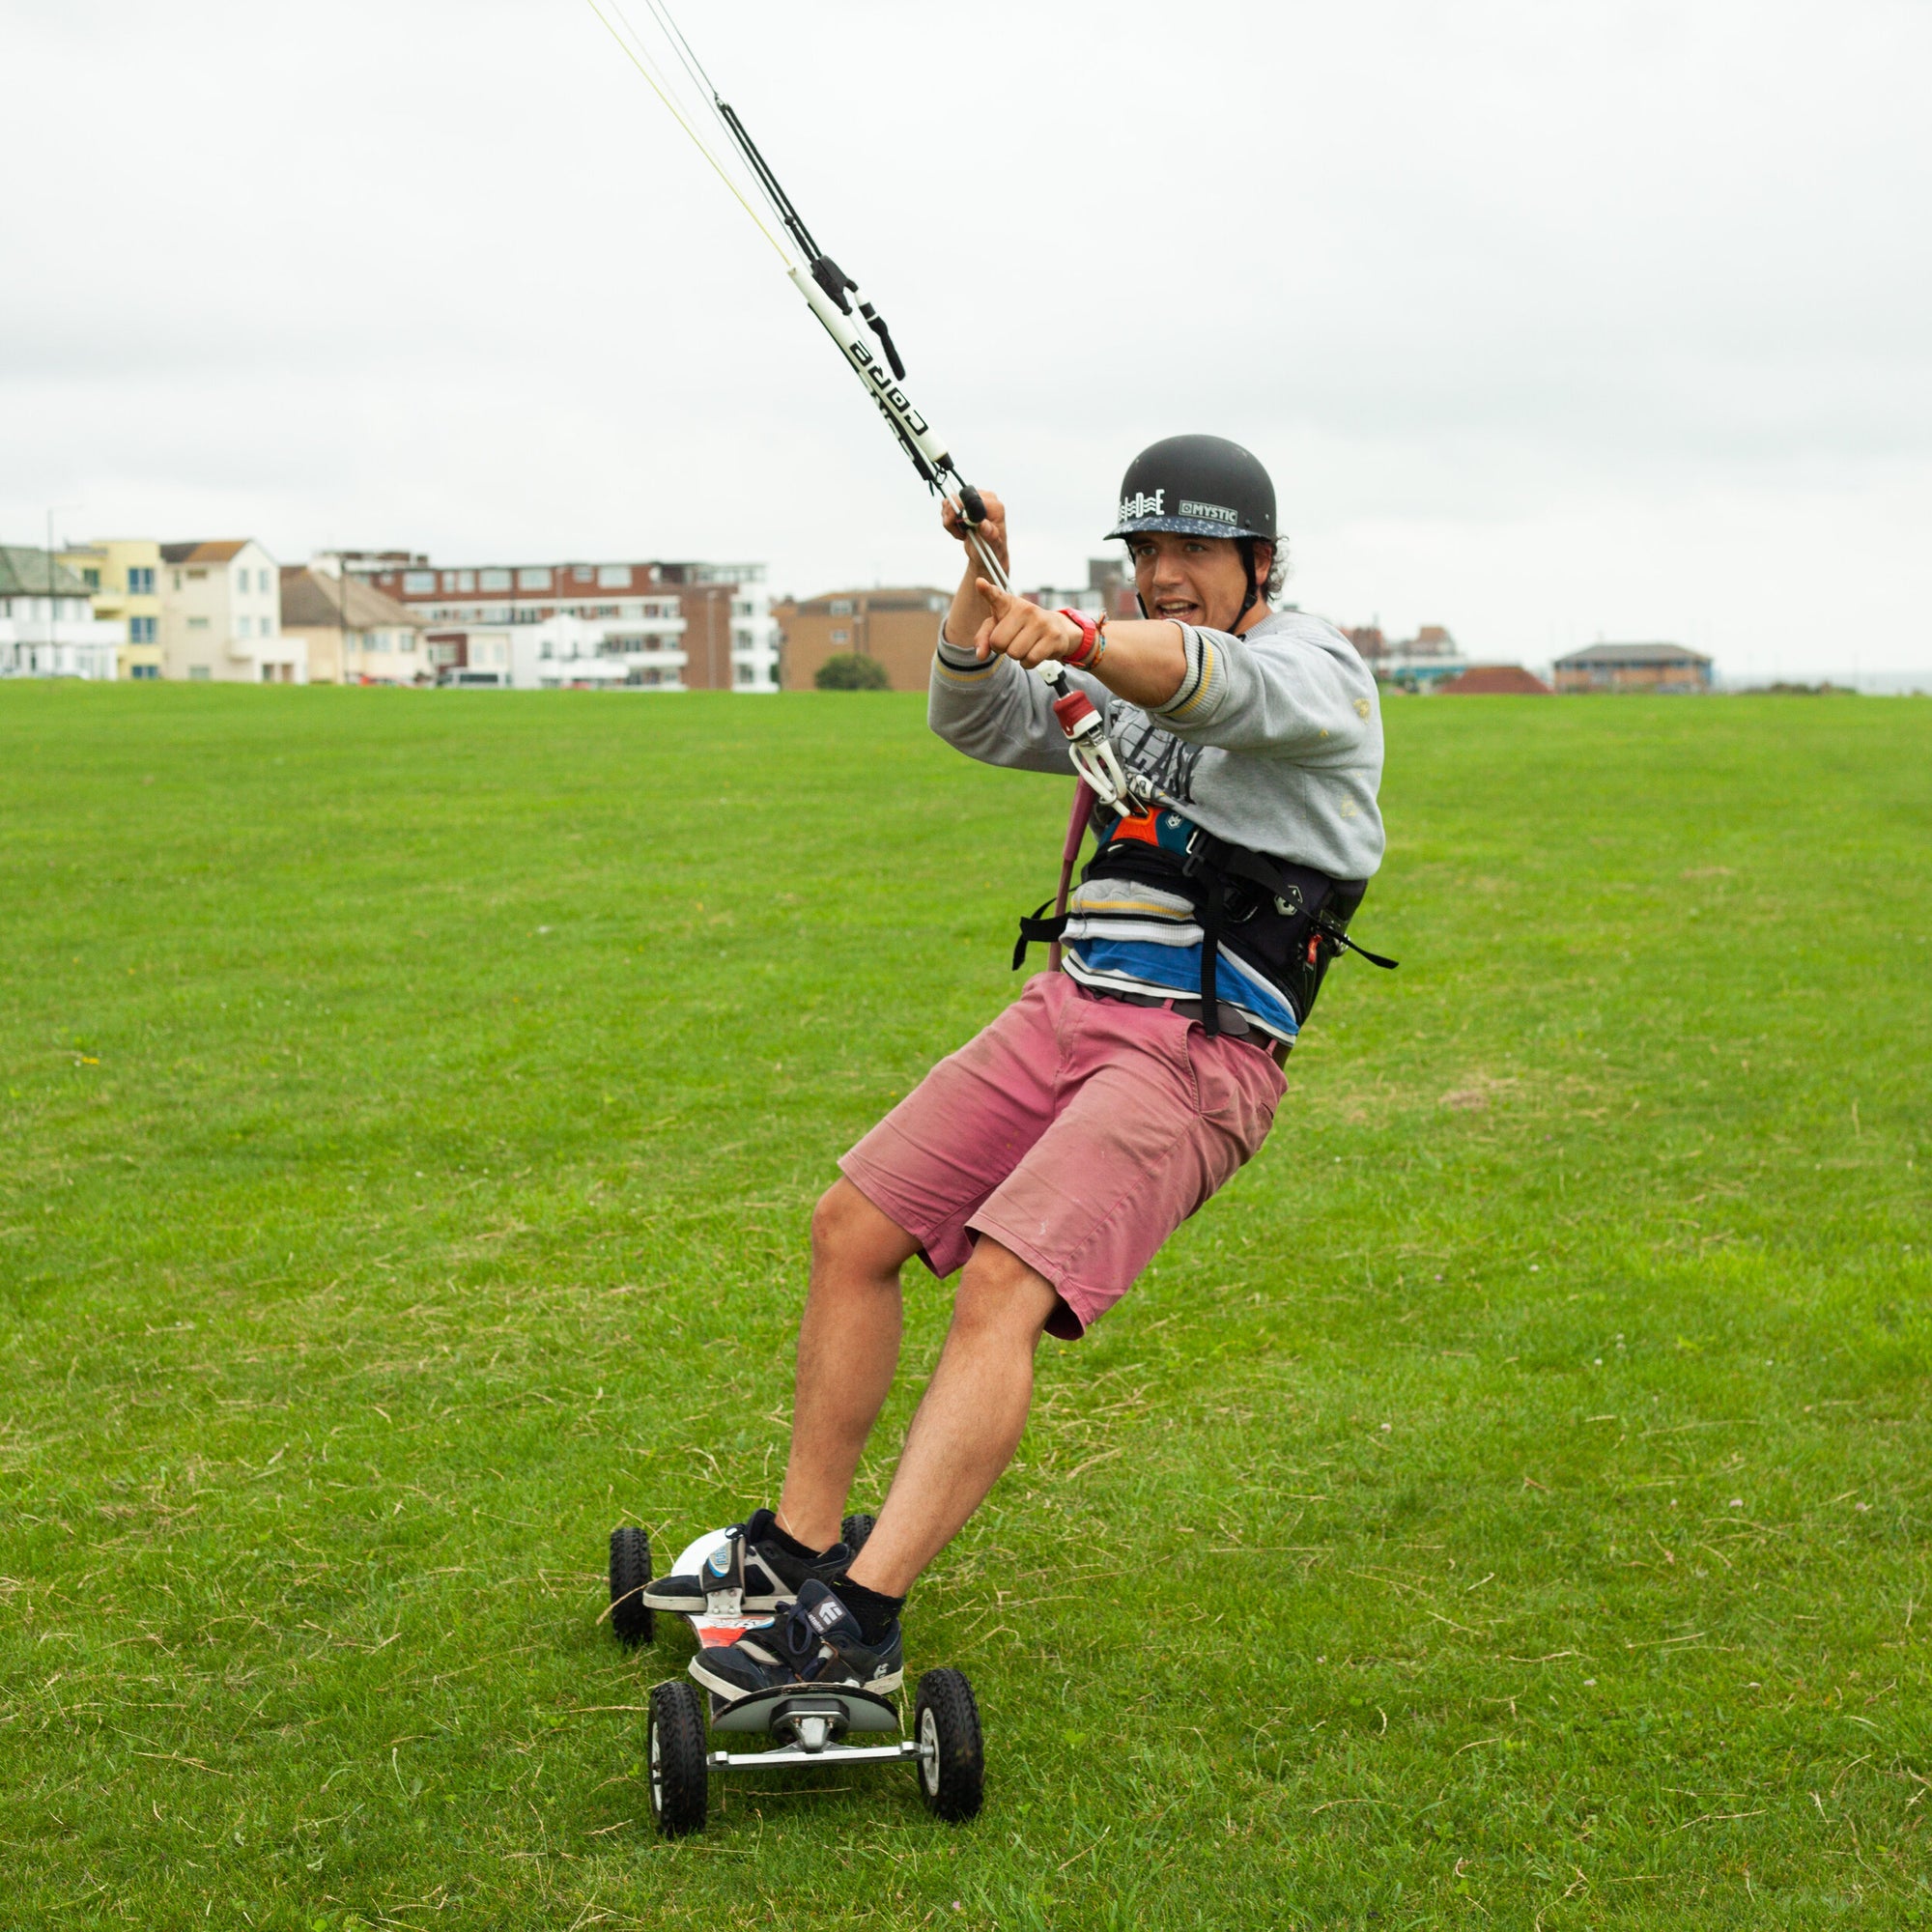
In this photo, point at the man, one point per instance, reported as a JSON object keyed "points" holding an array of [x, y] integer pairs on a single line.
{"points": [[1052, 1154]]}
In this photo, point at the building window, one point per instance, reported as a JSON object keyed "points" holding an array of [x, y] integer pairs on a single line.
{"points": [[741, 641], [92, 578], [198, 673], [417, 582], [144, 671], [268, 627], [140, 629], [580, 573], [743, 672], [141, 581], [534, 576], [267, 673], [842, 637], [840, 607], [197, 623], [241, 627], [493, 580], [178, 580], [613, 576]]}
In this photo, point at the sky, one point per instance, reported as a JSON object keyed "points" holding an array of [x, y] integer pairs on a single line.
{"points": [[1552, 324]]}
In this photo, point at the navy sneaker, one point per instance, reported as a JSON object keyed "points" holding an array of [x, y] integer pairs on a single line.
{"points": [[816, 1641], [772, 1574]]}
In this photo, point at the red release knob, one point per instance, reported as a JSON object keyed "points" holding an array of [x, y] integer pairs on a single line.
{"points": [[1073, 711]]}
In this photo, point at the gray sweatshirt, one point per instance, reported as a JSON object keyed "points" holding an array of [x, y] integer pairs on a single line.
{"points": [[1273, 741]]}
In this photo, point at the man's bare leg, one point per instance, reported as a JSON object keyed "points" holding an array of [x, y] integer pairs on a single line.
{"points": [[969, 1421], [848, 1347]]}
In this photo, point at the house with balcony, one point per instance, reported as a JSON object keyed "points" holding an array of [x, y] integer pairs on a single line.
{"points": [[121, 574], [593, 654], [47, 624], [222, 616]]}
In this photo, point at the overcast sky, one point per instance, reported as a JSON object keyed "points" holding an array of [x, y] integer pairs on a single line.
{"points": [[1552, 322]]}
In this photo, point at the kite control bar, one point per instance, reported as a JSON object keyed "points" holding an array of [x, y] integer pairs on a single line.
{"points": [[834, 299]]}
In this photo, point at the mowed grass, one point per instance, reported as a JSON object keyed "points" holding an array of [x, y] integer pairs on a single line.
{"points": [[1507, 1504]]}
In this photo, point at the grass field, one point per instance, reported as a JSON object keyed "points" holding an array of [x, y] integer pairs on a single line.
{"points": [[1507, 1504]]}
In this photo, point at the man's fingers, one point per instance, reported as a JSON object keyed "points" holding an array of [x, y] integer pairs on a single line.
{"points": [[999, 599]]}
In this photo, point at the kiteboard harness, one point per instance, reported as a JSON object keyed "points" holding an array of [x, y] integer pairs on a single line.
{"points": [[1298, 915]]}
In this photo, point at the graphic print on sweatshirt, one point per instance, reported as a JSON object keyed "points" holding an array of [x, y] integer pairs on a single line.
{"points": [[1157, 753]]}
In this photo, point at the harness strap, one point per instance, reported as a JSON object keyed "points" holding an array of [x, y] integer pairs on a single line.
{"points": [[1212, 908], [1038, 927], [1343, 943]]}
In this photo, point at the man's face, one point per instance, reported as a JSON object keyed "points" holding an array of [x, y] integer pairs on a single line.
{"points": [[1193, 580]]}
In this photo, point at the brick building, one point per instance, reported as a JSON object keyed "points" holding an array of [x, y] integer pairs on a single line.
{"points": [[1633, 667], [653, 624], [898, 627]]}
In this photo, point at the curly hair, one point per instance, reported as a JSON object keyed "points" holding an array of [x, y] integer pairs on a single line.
{"points": [[1268, 586]]}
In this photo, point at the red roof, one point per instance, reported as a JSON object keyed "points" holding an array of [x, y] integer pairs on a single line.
{"points": [[1495, 681]]}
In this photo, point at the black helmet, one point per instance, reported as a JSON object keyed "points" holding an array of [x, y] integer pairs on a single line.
{"points": [[1197, 486]]}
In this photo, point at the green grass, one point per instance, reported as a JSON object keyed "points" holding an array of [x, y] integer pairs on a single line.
{"points": [[1506, 1504]]}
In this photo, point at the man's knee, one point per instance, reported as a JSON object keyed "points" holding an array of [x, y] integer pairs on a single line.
{"points": [[1000, 1294], [847, 1228]]}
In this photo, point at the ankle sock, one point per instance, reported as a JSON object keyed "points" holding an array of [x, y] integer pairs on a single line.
{"points": [[876, 1612], [792, 1546]]}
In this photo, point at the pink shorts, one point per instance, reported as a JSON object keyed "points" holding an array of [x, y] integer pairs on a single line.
{"points": [[1075, 1130]]}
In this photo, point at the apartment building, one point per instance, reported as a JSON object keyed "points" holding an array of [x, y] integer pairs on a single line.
{"points": [[657, 625], [222, 616], [353, 634], [48, 626], [121, 574]]}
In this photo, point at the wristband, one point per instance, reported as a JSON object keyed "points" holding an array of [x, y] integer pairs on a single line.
{"points": [[1090, 633]]}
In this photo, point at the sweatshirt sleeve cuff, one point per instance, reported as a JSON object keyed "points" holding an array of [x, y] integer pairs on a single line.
{"points": [[961, 667], [1202, 681]]}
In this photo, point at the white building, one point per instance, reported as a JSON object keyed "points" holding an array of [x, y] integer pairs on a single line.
{"points": [[221, 616], [48, 626], [572, 654]]}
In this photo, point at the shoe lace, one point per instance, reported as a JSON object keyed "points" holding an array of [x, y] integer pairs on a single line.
{"points": [[799, 1641]]}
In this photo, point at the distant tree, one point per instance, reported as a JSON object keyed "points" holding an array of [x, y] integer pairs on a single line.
{"points": [[851, 671]]}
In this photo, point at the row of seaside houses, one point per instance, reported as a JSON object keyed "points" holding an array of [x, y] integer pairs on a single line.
{"points": [[227, 612]]}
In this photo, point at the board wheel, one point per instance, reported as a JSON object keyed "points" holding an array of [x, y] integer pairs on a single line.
{"points": [[630, 1577], [854, 1529], [675, 1744], [951, 1753]]}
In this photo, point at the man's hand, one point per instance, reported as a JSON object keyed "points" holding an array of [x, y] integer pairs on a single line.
{"points": [[991, 531], [1021, 631]]}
